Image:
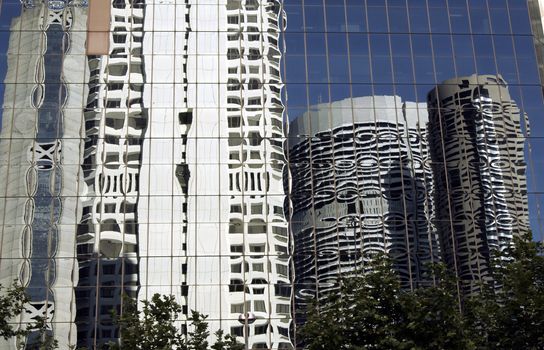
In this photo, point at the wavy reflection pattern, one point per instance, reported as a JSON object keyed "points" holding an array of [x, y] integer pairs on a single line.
{"points": [[44, 177], [361, 185], [479, 166], [115, 123], [259, 267]]}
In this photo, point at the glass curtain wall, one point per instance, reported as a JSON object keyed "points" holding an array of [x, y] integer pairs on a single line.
{"points": [[245, 155], [411, 130], [142, 153]]}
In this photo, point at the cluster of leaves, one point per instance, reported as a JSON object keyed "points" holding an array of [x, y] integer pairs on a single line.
{"points": [[153, 328], [12, 304], [372, 311]]}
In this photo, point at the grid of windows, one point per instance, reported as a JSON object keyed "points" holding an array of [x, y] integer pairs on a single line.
{"points": [[454, 186], [244, 155]]}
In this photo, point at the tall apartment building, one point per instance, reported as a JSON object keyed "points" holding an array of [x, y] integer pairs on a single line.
{"points": [[141, 150], [477, 145], [189, 167], [361, 184], [40, 151]]}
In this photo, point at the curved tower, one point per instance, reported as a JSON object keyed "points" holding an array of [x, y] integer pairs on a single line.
{"points": [[477, 147], [360, 185]]}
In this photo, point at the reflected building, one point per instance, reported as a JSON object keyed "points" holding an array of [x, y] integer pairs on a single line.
{"points": [[143, 151], [40, 149], [237, 240], [184, 164], [144, 144], [360, 185], [115, 124], [477, 145]]}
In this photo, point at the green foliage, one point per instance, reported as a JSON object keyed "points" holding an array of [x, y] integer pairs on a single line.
{"points": [[198, 337], [153, 328], [432, 316], [12, 304], [372, 311], [226, 343], [365, 314], [512, 317]]}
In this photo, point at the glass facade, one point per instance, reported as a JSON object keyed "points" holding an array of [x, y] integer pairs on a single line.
{"points": [[409, 134], [245, 155]]}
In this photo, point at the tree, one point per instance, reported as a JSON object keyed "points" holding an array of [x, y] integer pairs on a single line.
{"points": [[198, 338], [227, 343], [432, 317], [12, 304], [366, 314], [153, 328], [512, 316], [372, 311]]}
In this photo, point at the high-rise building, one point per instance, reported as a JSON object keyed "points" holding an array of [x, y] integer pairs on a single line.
{"points": [[361, 185], [143, 151], [477, 147], [115, 125], [338, 51], [237, 240], [40, 156], [170, 178]]}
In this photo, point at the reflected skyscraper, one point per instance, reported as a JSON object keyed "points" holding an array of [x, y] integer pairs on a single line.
{"points": [[40, 152], [115, 125], [477, 144], [361, 185], [156, 165], [237, 241], [143, 151]]}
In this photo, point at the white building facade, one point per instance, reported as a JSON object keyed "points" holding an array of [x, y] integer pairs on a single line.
{"points": [[166, 155], [234, 154]]}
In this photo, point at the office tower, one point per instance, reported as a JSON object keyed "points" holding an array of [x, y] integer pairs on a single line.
{"points": [[193, 204], [536, 13], [173, 141], [361, 185], [477, 145], [40, 155], [341, 50]]}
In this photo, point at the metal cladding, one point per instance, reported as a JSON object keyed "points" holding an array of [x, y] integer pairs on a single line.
{"points": [[479, 169]]}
